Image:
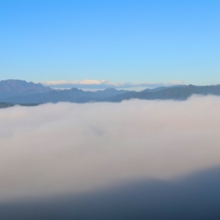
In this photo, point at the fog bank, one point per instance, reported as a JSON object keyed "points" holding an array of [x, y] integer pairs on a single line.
{"points": [[63, 148]]}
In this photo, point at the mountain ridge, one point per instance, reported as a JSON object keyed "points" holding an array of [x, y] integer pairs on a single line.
{"points": [[14, 87], [21, 92]]}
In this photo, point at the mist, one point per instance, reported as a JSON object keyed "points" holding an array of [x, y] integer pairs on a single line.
{"points": [[55, 150]]}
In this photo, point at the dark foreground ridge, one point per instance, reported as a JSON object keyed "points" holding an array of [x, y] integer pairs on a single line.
{"points": [[21, 92], [196, 196], [5, 105]]}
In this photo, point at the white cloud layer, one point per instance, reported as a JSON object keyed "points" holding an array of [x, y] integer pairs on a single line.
{"points": [[103, 84], [60, 148]]}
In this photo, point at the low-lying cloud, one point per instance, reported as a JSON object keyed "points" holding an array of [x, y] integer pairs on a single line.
{"points": [[66, 148], [104, 84]]}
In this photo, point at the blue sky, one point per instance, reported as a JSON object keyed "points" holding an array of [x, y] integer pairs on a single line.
{"points": [[134, 41]]}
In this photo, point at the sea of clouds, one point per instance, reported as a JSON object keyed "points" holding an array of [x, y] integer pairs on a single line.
{"points": [[63, 148], [133, 160]]}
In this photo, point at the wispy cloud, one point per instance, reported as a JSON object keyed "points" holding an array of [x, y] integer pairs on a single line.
{"points": [[103, 84]]}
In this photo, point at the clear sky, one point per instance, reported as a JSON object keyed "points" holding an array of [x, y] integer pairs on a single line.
{"points": [[120, 41]]}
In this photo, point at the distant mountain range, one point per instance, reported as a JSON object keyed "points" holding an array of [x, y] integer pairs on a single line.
{"points": [[10, 88], [21, 92]]}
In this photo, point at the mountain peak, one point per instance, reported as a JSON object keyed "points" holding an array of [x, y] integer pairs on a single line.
{"points": [[110, 89], [14, 87], [75, 89]]}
